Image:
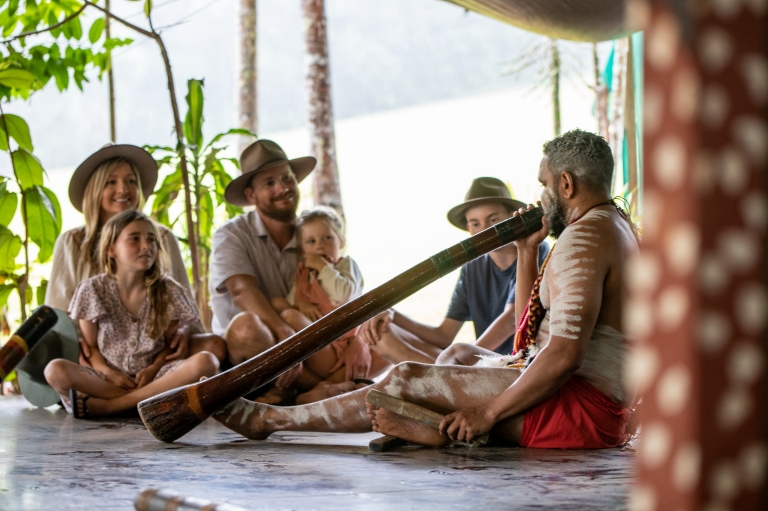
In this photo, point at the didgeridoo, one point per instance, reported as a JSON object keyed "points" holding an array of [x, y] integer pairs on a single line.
{"points": [[24, 339], [170, 415]]}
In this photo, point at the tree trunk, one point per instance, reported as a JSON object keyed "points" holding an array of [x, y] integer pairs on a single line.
{"points": [[555, 73], [248, 71], [601, 96], [616, 128], [110, 83], [326, 181]]}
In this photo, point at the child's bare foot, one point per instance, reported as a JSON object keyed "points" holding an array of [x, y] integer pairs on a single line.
{"points": [[325, 390], [388, 423], [245, 417]]}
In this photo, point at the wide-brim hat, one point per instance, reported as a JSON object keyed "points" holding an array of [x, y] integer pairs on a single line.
{"points": [[258, 157], [60, 342], [140, 158], [484, 190]]}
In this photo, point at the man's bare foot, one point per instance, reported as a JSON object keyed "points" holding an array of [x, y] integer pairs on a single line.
{"points": [[276, 396], [245, 417], [324, 390], [388, 423]]}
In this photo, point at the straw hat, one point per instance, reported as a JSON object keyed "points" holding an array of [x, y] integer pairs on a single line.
{"points": [[484, 190], [140, 158], [60, 342], [258, 157]]}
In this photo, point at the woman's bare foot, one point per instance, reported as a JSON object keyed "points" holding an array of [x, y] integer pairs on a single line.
{"points": [[388, 423], [245, 417], [324, 390]]}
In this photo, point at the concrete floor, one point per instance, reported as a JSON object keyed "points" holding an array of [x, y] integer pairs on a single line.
{"points": [[48, 460]]}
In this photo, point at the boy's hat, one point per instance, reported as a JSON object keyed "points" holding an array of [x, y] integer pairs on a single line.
{"points": [[60, 342], [484, 190], [259, 156], [141, 159]]}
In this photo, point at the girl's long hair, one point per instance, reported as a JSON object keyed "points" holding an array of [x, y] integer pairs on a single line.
{"points": [[92, 206], [154, 278]]}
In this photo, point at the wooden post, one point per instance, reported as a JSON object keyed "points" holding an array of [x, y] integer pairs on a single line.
{"points": [[249, 105], [110, 83], [698, 303], [326, 189]]}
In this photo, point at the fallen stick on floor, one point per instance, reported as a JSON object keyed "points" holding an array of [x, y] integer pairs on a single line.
{"points": [[412, 411], [153, 499]]}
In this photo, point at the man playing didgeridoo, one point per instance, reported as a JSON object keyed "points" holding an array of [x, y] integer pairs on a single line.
{"points": [[570, 395]]}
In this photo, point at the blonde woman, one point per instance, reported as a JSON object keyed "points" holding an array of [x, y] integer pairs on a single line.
{"points": [[114, 179]]}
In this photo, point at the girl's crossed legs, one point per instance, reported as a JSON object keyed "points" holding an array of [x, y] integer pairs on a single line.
{"points": [[105, 398]]}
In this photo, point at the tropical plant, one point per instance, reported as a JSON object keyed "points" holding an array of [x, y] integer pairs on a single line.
{"points": [[208, 179], [29, 212]]}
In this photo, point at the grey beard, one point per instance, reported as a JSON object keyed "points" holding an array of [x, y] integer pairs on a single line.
{"points": [[556, 216]]}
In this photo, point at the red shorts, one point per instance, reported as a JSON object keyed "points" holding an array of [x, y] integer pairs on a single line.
{"points": [[577, 416]]}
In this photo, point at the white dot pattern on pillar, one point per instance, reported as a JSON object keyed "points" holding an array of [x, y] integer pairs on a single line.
{"points": [[738, 249], [715, 49], [713, 275], [686, 466], [682, 245], [669, 161], [714, 106], [733, 407], [745, 363], [638, 318], [643, 273], [642, 367], [685, 95], [704, 173], [655, 444], [734, 173], [663, 40], [653, 104], [713, 331], [672, 307], [725, 8], [753, 460], [755, 70], [751, 307], [725, 481], [754, 209], [651, 215], [637, 15], [642, 498], [673, 390], [751, 132]]}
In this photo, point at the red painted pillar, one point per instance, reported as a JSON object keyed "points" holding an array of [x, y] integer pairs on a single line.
{"points": [[697, 293]]}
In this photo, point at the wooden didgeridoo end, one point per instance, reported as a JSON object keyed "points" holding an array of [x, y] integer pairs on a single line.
{"points": [[173, 413]]}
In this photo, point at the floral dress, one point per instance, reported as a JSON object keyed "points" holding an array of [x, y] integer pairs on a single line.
{"points": [[123, 338]]}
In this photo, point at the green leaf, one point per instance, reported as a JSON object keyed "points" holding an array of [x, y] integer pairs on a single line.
{"points": [[10, 246], [76, 27], [40, 292], [5, 293], [16, 78], [233, 131], [112, 43], [193, 124], [205, 219], [147, 7], [29, 172], [3, 139], [54, 200], [8, 203], [43, 221], [18, 129], [94, 34]]}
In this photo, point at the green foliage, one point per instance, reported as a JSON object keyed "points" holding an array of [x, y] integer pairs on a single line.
{"points": [[208, 179], [30, 214]]}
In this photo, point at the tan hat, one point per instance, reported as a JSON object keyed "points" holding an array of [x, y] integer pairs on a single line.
{"points": [[259, 156], [140, 158], [484, 190]]}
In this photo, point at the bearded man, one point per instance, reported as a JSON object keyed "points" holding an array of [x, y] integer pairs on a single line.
{"points": [[254, 255], [570, 393]]}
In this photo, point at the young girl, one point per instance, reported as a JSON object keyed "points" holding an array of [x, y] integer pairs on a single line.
{"points": [[127, 316], [326, 279]]}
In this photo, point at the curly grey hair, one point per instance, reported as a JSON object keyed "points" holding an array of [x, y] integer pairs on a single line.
{"points": [[585, 155]]}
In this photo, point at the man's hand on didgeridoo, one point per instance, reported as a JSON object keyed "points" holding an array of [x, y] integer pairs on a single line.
{"points": [[538, 237], [467, 424], [372, 329]]}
